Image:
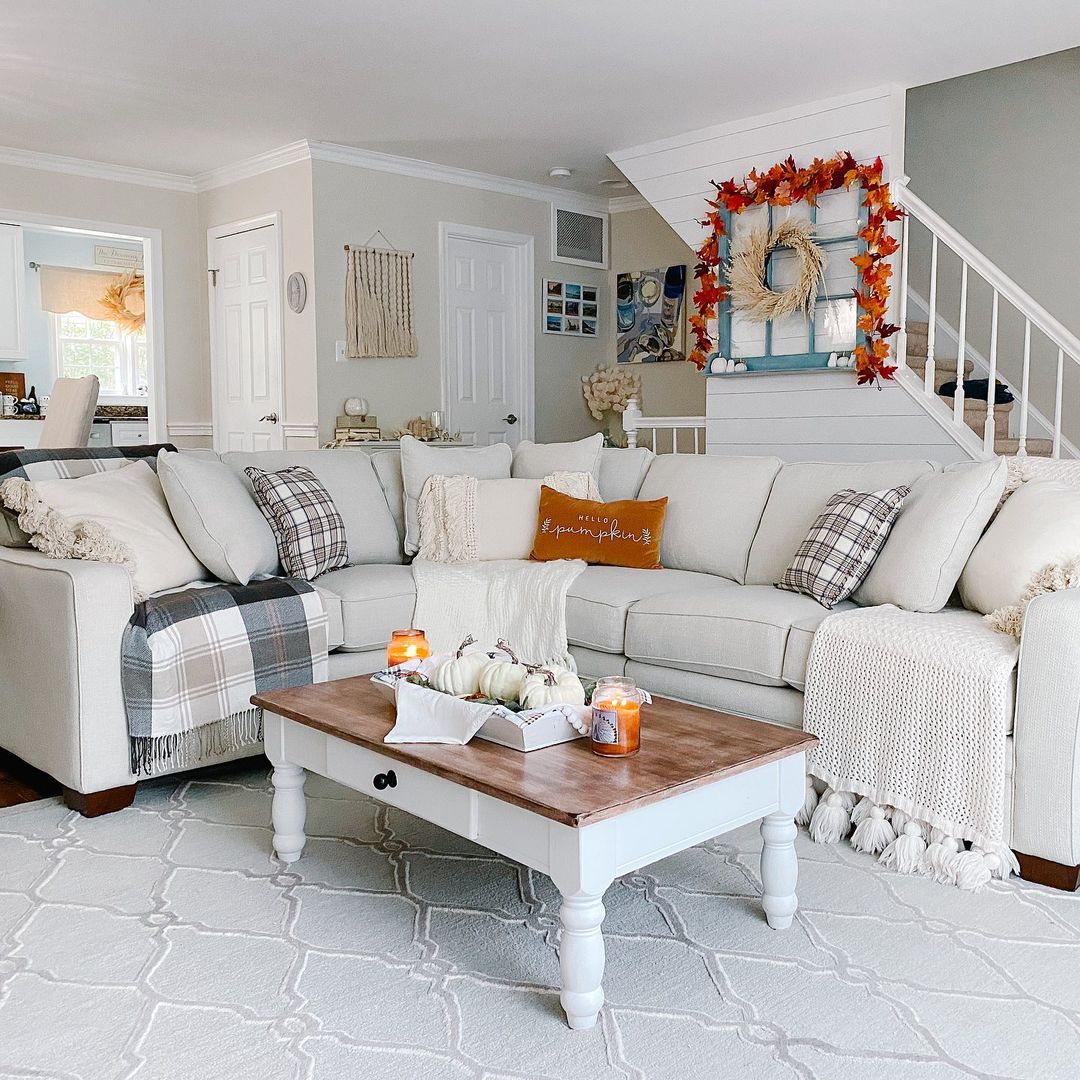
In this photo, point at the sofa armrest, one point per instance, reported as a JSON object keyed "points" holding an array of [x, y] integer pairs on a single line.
{"points": [[61, 626], [1046, 733]]}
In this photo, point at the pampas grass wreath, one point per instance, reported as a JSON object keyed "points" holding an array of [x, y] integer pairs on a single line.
{"points": [[751, 297], [126, 300]]}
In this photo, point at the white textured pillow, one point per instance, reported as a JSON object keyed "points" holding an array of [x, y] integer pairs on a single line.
{"points": [[933, 535], [534, 461], [130, 506], [419, 461], [1038, 525], [216, 515]]}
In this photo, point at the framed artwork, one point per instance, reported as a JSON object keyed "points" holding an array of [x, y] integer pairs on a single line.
{"points": [[649, 315], [571, 308]]}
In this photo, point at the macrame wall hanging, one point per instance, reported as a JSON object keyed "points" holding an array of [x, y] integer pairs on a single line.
{"points": [[379, 317]]}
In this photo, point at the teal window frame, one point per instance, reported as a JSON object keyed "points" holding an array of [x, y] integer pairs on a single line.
{"points": [[785, 361]]}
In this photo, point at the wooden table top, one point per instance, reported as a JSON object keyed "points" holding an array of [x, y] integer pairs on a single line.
{"points": [[682, 747]]}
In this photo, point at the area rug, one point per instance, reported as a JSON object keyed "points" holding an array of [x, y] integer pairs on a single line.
{"points": [[165, 942]]}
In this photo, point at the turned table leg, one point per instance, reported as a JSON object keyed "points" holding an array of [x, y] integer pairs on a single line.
{"points": [[289, 812], [779, 869], [581, 959]]}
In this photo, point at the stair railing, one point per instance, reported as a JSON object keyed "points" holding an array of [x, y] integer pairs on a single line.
{"points": [[634, 423], [1003, 288]]}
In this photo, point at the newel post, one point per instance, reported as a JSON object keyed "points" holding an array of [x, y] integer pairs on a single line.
{"points": [[631, 416]]}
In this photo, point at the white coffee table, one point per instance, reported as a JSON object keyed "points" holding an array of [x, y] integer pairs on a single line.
{"points": [[581, 819]]}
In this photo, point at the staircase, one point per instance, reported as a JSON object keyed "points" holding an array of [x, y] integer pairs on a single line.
{"points": [[974, 409], [1006, 428]]}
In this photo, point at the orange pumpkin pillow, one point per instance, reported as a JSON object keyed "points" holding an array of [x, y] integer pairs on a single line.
{"points": [[625, 533]]}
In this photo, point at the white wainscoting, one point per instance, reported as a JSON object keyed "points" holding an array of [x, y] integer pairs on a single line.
{"points": [[673, 174], [820, 416]]}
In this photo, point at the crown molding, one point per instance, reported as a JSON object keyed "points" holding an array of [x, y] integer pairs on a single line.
{"points": [[289, 154], [449, 174], [622, 204], [95, 170]]}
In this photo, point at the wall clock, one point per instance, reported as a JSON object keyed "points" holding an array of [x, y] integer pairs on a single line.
{"points": [[297, 292]]}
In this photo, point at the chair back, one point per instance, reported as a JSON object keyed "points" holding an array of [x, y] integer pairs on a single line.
{"points": [[70, 413]]}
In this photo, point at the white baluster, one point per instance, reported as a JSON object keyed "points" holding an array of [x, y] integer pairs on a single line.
{"points": [[1057, 404], [931, 326], [901, 343], [697, 440], [1024, 389], [631, 416], [961, 349], [674, 440], [990, 432]]}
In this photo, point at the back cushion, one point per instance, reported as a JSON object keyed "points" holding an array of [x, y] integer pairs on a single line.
{"points": [[622, 471], [349, 477], [714, 508], [388, 469], [799, 496]]}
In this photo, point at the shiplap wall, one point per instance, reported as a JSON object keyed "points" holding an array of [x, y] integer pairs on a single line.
{"points": [[820, 416], [804, 416], [673, 174]]}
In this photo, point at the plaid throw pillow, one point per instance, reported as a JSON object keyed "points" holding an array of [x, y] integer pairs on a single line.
{"points": [[842, 544], [309, 531]]}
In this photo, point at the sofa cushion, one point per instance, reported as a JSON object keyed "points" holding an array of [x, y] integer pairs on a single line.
{"points": [[335, 630], [714, 509], [933, 535], [349, 477], [387, 465], [534, 461], [799, 495], [600, 597], [622, 471], [217, 516], [374, 600], [800, 638], [419, 461], [734, 631]]}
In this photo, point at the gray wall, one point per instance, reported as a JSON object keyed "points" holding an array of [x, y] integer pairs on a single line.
{"points": [[994, 154]]}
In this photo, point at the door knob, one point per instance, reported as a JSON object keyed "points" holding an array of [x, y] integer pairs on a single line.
{"points": [[270, 417], [510, 418]]}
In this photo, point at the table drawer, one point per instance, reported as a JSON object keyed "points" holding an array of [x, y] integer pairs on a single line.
{"points": [[408, 788]]}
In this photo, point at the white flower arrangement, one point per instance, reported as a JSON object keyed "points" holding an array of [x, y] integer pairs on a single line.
{"points": [[610, 389]]}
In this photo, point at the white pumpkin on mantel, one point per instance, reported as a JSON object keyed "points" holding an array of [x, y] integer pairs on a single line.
{"points": [[503, 679], [552, 686], [460, 674]]}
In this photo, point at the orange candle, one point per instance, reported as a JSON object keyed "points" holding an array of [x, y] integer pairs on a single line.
{"points": [[407, 645], [616, 717]]}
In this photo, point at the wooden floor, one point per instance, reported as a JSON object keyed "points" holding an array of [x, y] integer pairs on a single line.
{"points": [[20, 783]]}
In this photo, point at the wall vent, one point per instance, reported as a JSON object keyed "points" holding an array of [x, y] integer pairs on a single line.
{"points": [[579, 237]]}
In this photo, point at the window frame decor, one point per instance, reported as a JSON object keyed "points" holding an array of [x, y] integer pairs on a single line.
{"points": [[125, 345], [783, 185]]}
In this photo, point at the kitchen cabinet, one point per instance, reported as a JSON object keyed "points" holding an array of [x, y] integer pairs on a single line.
{"points": [[12, 294]]}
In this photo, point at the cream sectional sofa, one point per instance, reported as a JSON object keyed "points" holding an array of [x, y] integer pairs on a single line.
{"points": [[710, 628]]}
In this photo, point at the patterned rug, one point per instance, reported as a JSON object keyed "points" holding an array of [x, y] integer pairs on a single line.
{"points": [[164, 942]]}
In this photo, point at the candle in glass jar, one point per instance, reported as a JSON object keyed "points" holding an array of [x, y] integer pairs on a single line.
{"points": [[616, 717], [407, 645]]}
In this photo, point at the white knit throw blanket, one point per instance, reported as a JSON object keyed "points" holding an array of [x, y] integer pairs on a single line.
{"points": [[523, 603], [912, 710]]}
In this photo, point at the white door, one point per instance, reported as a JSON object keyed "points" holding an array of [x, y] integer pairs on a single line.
{"points": [[487, 334], [247, 355]]}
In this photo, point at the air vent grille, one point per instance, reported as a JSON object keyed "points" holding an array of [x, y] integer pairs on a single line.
{"points": [[579, 237]]}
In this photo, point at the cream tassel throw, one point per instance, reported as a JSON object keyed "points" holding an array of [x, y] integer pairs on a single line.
{"points": [[379, 317]]}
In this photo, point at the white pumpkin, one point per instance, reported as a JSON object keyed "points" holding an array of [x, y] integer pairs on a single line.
{"points": [[460, 674], [552, 686], [503, 679]]}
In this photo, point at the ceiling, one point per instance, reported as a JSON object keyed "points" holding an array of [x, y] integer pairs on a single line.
{"points": [[509, 87]]}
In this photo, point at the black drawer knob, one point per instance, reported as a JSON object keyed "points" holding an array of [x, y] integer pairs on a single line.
{"points": [[385, 780]]}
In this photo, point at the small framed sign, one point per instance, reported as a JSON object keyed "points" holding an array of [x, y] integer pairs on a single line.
{"points": [[124, 258], [571, 308]]}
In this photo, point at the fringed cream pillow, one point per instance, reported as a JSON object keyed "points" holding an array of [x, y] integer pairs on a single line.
{"points": [[115, 517], [1054, 577], [463, 519]]}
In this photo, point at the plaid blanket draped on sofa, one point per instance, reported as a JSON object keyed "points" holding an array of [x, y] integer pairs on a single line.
{"points": [[191, 660]]}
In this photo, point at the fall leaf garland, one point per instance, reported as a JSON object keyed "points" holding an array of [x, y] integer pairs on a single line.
{"points": [[783, 185]]}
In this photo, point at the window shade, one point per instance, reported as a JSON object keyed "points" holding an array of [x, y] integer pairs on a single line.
{"points": [[64, 289]]}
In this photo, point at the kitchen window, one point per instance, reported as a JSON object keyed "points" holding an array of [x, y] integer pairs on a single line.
{"points": [[83, 346]]}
